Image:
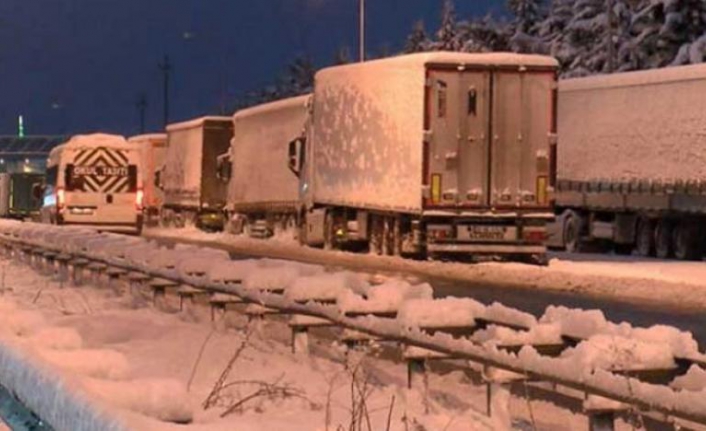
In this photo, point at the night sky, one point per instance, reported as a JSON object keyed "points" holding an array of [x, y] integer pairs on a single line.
{"points": [[75, 66]]}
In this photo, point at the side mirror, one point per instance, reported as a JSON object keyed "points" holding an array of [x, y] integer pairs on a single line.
{"points": [[296, 155], [225, 168], [37, 191]]}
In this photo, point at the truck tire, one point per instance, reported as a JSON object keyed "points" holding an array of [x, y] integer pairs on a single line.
{"points": [[645, 238], [376, 235], [572, 233], [686, 242], [663, 239], [329, 231]]}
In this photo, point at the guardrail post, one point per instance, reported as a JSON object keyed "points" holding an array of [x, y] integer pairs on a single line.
{"points": [[416, 372], [601, 421], [601, 413], [498, 393], [300, 340]]}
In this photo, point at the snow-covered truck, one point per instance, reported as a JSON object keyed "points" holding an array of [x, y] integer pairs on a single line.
{"points": [[153, 148], [93, 180], [632, 163], [263, 194], [193, 194], [436, 153]]}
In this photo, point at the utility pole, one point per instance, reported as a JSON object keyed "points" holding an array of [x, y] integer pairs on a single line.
{"points": [[166, 68], [141, 108], [362, 30]]}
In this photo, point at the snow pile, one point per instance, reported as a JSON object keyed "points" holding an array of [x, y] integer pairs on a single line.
{"points": [[694, 380], [163, 399], [385, 297], [611, 352], [448, 312], [497, 312], [57, 338], [325, 287], [541, 334], [99, 363], [224, 271]]}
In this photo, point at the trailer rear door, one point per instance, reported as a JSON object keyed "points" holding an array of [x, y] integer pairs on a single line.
{"points": [[458, 112], [488, 144], [521, 124]]}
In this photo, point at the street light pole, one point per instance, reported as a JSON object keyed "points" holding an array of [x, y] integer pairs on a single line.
{"points": [[362, 30], [166, 67]]}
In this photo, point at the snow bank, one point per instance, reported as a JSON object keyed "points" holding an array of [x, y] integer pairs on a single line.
{"points": [[541, 334], [424, 313], [57, 339], [162, 399], [612, 352], [49, 396], [325, 287], [694, 380], [99, 363], [385, 297]]}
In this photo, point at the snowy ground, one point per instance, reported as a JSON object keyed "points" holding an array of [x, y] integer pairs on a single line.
{"points": [[149, 367], [669, 284]]}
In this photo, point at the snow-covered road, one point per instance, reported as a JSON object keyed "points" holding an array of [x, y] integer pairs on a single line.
{"points": [[647, 282]]}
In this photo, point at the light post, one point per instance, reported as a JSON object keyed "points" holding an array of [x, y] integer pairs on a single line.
{"points": [[362, 30], [166, 68]]}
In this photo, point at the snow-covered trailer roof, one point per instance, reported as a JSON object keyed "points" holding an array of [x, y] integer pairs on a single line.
{"points": [[646, 125], [197, 122], [261, 179], [149, 137], [368, 126]]}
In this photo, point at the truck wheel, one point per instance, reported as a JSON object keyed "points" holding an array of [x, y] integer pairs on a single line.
{"points": [[686, 242], [645, 238], [329, 231], [623, 249], [663, 239], [572, 234], [301, 231], [396, 236], [376, 235]]}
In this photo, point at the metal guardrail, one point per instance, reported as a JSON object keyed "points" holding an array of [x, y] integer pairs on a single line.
{"points": [[623, 388]]}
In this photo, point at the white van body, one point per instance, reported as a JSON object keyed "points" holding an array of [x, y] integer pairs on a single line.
{"points": [[94, 181]]}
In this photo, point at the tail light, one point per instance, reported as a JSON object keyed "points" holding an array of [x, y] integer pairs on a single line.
{"points": [[542, 190], [534, 235], [60, 198], [139, 198]]}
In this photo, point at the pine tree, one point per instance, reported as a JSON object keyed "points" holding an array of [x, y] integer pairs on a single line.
{"points": [[527, 15], [447, 38], [299, 78], [484, 35], [417, 41], [343, 56]]}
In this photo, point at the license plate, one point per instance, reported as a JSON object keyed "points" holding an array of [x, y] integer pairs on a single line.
{"points": [[488, 233]]}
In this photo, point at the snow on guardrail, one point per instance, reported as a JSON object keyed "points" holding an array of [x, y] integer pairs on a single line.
{"points": [[597, 356]]}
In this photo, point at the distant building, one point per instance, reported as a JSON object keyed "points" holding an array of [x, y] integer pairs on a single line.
{"points": [[26, 154]]}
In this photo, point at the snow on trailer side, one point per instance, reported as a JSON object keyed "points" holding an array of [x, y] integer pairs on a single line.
{"points": [[645, 125], [192, 191], [632, 162], [153, 148], [369, 126], [260, 182]]}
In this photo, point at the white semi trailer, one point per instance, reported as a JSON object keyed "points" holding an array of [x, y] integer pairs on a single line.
{"points": [[430, 153], [153, 149], [193, 194], [263, 195], [632, 163]]}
